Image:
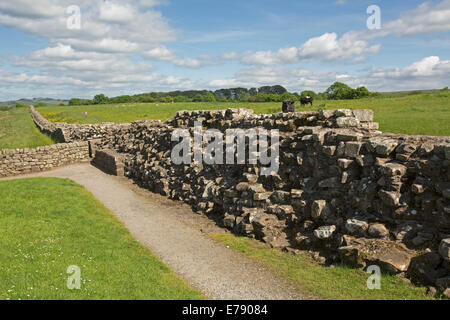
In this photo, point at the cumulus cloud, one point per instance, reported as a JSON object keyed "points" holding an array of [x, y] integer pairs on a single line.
{"points": [[427, 18], [425, 68], [116, 13], [104, 55], [111, 26], [162, 53], [326, 47], [100, 57], [427, 73]]}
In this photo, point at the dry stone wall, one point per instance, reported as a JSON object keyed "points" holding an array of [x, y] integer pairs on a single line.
{"points": [[20, 161], [63, 132], [344, 189]]}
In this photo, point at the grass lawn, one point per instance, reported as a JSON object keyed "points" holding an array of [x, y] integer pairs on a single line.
{"points": [[17, 130], [47, 225], [340, 282], [421, 114]]}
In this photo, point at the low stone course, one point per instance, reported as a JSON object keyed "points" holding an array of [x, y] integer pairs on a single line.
{"points": [[20, 161]]}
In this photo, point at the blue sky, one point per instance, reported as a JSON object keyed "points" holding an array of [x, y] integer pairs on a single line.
{"points": [[132, 46]]}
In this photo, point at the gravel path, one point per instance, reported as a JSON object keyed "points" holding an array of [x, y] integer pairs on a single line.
{"points": [[178, 237]]}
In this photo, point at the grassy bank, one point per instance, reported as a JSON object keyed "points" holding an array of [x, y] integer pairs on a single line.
{"points": [[47, 225], [339, 282], [17, 130], [421, 114]]}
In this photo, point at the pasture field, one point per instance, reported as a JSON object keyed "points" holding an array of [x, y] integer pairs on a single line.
{"points": [[48, 224], [418, 114], [17, 130], [339, 282]]}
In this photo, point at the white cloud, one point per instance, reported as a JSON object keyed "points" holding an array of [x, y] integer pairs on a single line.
{"points": [[162, 53], [109, 26], [229, 56], [353, 46], [428, 73], [429, 67], [326, 47], [114, 12], [426, 18]]}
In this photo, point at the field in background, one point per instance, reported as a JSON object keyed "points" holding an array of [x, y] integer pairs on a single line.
{"points": [[339, 282], [17, 130], [421, 114], [417, 114], [47, 225]]}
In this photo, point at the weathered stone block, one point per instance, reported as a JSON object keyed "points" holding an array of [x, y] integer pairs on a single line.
{"points": [[317, 208], [352, 149], [444, 249], [347, 122], [324, 232], [364, 115]]}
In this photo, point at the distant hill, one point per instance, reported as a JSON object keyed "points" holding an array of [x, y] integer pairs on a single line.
{"points": [[35, 101]]}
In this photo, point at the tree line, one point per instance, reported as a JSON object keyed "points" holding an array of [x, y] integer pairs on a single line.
{"points": [[277, 93]]}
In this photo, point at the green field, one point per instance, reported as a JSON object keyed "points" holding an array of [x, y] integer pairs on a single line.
{"points": [[17, 130], [47, 225], [420, 114], [335, 283]]}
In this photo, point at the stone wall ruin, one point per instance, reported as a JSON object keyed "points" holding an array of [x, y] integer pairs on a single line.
{"points": [[344, 189]]}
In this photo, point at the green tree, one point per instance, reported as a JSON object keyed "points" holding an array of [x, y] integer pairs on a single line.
{"points": [[362, 92], [100, 99], [168, 99], [221, 99], [340, 91], [198, 98], [209, 97], [75, 102], [308, 93], [288, 96], [273, 98], [181, 99], [272, 89]]}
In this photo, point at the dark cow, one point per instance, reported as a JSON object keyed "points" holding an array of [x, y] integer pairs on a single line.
{"points": [[288, 106], [306, 100]]}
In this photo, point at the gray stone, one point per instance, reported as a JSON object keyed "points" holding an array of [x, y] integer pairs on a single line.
{"points": [[344, 113], [444, 249], [378, 230], [347, 122], [356, 227], [317, 207], [352, 149], [229, 220], [389, 198], [324, 232], [364, 115]]}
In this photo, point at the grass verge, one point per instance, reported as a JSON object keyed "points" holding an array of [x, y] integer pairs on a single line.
{"points": [[17, 130], [337, 283], [47, 225]]}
